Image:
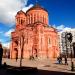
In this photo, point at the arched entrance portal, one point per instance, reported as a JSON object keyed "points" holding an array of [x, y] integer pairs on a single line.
{"points": [[16, 53], [74, 49], [35, 53]]}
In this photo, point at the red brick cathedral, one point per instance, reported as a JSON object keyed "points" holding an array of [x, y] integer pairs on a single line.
{"points": [[33, 36]]}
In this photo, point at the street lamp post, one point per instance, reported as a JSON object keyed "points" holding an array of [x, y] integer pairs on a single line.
{"points": [[69, 38], [66, 43]]}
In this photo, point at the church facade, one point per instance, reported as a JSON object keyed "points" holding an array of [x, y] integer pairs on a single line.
{"points": [[33, 37]]}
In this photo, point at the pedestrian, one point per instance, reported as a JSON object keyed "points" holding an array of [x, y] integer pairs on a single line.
{"points": [[1, 54], [66, 60], [57, 60], [61, 59]]}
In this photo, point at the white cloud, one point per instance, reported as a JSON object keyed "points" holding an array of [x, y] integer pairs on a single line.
{"points": [[62, 28], [67, 29], [9, 8], [6, 44], [26, 8], [1, 40], [8, 33]]}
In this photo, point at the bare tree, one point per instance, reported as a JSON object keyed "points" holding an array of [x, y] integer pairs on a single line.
{"points": [[22, 42]]}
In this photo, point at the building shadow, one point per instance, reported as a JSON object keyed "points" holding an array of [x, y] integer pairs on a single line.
{"points": [[11, 70]]}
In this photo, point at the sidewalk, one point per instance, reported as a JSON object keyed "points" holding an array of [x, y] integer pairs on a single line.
{"points": [[49, 65]]}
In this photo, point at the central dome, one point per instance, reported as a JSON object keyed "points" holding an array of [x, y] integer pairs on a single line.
{"points": [[37, 14], [37, 7]]}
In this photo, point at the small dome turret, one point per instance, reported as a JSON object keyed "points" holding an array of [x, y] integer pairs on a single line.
{"points": [[20, 18], [20, 12]]}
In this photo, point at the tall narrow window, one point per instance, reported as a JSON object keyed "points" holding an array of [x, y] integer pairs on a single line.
{"points": [[18, 20], [21, 21], [55, 42], [34, 18], [49, 40], [28, 19], [43, 19], [31, 18]]}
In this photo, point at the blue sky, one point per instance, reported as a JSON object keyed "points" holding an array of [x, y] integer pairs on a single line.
{"points": [[61, 14], [60, 11]]}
